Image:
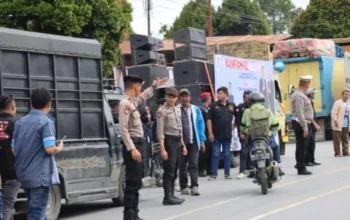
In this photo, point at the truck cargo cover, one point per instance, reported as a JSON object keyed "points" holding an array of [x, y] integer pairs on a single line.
{"points": [[48, 43]]}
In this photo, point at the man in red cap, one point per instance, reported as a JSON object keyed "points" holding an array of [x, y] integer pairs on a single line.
{"points": [[205, 157]]}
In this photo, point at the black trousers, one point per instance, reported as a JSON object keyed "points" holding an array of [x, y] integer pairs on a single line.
{"points": [[133, 181], [205, 158], [171, 166], [310, 155], [301, 144], [147, 151], [189, 163]]}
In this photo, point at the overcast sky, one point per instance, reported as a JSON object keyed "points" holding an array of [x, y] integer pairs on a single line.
{"points": [[165, 12]]}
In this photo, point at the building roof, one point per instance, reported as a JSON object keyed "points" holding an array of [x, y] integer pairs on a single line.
{"points": [[168, 44], [341, 40]]}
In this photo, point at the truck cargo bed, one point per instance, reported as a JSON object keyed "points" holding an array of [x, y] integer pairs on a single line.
{"points": [[69, 67]]}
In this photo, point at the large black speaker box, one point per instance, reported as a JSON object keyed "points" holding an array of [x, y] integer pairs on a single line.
{"points": [[147, 57], [149, 73], [191, 51], [192, 72], [142, 42], [190, 35], [196, 90]]}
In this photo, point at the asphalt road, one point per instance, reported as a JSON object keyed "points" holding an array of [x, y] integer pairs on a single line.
{"points": [[322, 196]]}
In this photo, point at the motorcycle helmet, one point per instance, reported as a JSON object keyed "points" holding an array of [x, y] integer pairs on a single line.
{"points": [[256, 97]]}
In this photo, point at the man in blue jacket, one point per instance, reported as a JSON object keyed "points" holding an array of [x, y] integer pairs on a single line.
{"points": [[193, 128]]}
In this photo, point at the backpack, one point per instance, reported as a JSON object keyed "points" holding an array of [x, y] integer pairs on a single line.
{"points": [[260, 123]]}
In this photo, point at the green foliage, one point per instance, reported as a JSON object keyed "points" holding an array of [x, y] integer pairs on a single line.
{"points": [[103, 20], [323, 19], [241, 17], [194, 14], [280, 14]]}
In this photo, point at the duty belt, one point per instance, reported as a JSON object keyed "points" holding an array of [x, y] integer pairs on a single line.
{"points": [[138, 140]]}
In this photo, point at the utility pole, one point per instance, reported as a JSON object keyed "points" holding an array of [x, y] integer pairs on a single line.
{"points": [[149, 16], [210, 23]]}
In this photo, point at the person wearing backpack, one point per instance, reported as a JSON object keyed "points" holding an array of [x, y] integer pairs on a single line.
{"points": [[258, 121]]}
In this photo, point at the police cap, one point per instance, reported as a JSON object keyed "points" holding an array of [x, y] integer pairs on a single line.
{"points": [[306, 78], [172, 92], [133, 79], [310, 91]]}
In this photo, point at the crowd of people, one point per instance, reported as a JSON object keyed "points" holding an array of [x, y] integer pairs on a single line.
{"points": [[27, 149], [190, 137]]}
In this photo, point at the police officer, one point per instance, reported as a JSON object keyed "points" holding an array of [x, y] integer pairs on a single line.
{"points": [[169, 131], [310, 155], [302, 116], [131, 132]]}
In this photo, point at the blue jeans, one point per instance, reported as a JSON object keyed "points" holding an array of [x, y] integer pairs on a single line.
{"points": [[37, 202], [275, 149], [226, 149]]}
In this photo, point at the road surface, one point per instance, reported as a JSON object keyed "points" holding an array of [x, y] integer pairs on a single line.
{"points": [[322, 196]]}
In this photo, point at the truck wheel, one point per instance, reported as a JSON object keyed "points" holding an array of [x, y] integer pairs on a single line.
{"points": [[54, 203], [121, 187], [235, 159]]}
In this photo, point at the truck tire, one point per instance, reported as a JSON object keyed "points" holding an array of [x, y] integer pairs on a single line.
{"points": [[54, 203], [121, 187], [235, 159]]}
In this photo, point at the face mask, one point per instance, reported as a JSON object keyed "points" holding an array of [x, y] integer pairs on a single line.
{"points": [[314, 96]]}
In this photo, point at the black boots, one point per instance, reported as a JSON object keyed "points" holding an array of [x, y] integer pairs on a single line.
{"points": [[132, 214], [173, 194], [136, 214], [169, 199], [129, 215]]}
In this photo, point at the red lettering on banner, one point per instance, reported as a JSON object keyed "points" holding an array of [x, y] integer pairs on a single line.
{"points": [[236, 64]]}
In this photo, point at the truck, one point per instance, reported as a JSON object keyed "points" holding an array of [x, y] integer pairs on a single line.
{"points": [[90, 166], [330, 76]]}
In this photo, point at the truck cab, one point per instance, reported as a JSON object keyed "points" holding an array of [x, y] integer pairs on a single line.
{"points": [[71, 69]]}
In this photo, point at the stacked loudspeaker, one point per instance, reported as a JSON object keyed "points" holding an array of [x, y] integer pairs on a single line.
{"points": [[147, 62], [190, 63]]}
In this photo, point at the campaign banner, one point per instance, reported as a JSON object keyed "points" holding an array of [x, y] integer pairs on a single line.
{"points": [[240, 75]]}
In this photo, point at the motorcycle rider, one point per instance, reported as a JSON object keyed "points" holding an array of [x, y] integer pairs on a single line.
{"points": [[257, 101]]}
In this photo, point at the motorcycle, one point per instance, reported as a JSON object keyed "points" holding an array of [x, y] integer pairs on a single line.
{"points": [[265, 171]]}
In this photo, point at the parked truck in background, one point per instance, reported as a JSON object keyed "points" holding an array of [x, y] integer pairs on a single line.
{"points": [[330, 76], [91, 162]]}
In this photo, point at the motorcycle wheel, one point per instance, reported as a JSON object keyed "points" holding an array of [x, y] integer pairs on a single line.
{"points": [[263, 181]]}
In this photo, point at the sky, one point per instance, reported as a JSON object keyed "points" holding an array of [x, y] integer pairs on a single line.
{"points": [[165, 12]]}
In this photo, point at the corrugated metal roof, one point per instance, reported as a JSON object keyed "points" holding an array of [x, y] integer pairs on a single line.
{"points": [[168, 44]]}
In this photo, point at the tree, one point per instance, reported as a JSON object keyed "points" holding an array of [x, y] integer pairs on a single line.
{"points": [[280, 14], [323, 19], [241, 17], [104, 20], [194, 14]]}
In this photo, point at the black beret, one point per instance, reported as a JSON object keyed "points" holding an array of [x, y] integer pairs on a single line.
{"points": [[133, 78], [172, 91]]}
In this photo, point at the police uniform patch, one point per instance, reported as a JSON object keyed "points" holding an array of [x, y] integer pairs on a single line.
{"points": [[159, 115], [127, 109], [230, 107]]}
